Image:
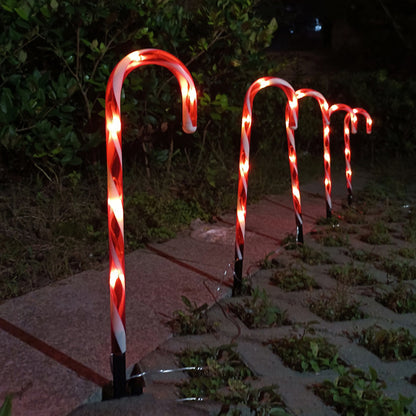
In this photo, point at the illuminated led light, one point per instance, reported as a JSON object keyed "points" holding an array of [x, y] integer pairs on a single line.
{"points": [[349, 172], [116, 275], [263, 83], [244, 167], [327, 157], [327, 182], [292, 158], [347, 152], [117, 207], [295, 192], [241, 214], [293, 104], [136, 56], [326, 130], [300, 95], [192, 95], [114, 126], [246, 120], [347, 130]]}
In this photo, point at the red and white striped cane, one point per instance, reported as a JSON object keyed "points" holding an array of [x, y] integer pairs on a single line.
{"points": [[291, 120], [347, 120], [368, 119], [115, 187], [306, 92], [350, 118]]}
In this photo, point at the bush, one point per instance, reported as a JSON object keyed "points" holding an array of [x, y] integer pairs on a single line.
{"points": [[57, 56]]}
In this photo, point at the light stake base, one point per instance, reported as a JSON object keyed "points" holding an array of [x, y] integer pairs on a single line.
{"points": [[118, 362], [238, 280]]}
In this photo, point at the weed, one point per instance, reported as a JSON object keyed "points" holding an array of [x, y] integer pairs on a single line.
{"points": [[402, 270], [336, 306], [332, 237], [407, 252], [409, 230], [332, 221], [352, 275], [192, 321], [388, 344], [226, 379], [400, 300], [305, 353], [268, 262], [355, 393], [246, 400], [352, 216], [219, 363], [289, 242], [6, 407], [362, 255], [257, 311], [393, 214], [311, 256], [293, 279], [378, 234]]}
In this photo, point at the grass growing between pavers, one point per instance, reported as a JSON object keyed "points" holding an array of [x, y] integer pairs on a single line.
{"points": [[355, 393], [336, 305], [258, 311], [401, 299], [225, 379], [387, 344], [399, 269], [312, 256], [352, 275], [306, 352], [378, 234], [191, 321], [293, 278]]}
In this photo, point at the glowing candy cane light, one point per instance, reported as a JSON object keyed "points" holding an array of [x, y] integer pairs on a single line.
{"points": [[291, 118], [347, 121], [306, 92], [350, 118], [115, 187]]}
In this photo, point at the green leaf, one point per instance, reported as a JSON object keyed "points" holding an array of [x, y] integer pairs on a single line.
{"points": [[22, 55], [314, 348], [186, 301], [23, 11], [6, 408]]}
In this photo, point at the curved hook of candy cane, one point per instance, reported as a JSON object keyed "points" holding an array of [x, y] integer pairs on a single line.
{"points": [[291, 120], [323, 104], [368, 119], [114, 169], [350, 119]]}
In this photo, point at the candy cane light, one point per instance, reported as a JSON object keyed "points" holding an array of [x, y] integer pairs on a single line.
{"points": [[349, 120], [115, 187], [306, 92], [291, 119]]}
